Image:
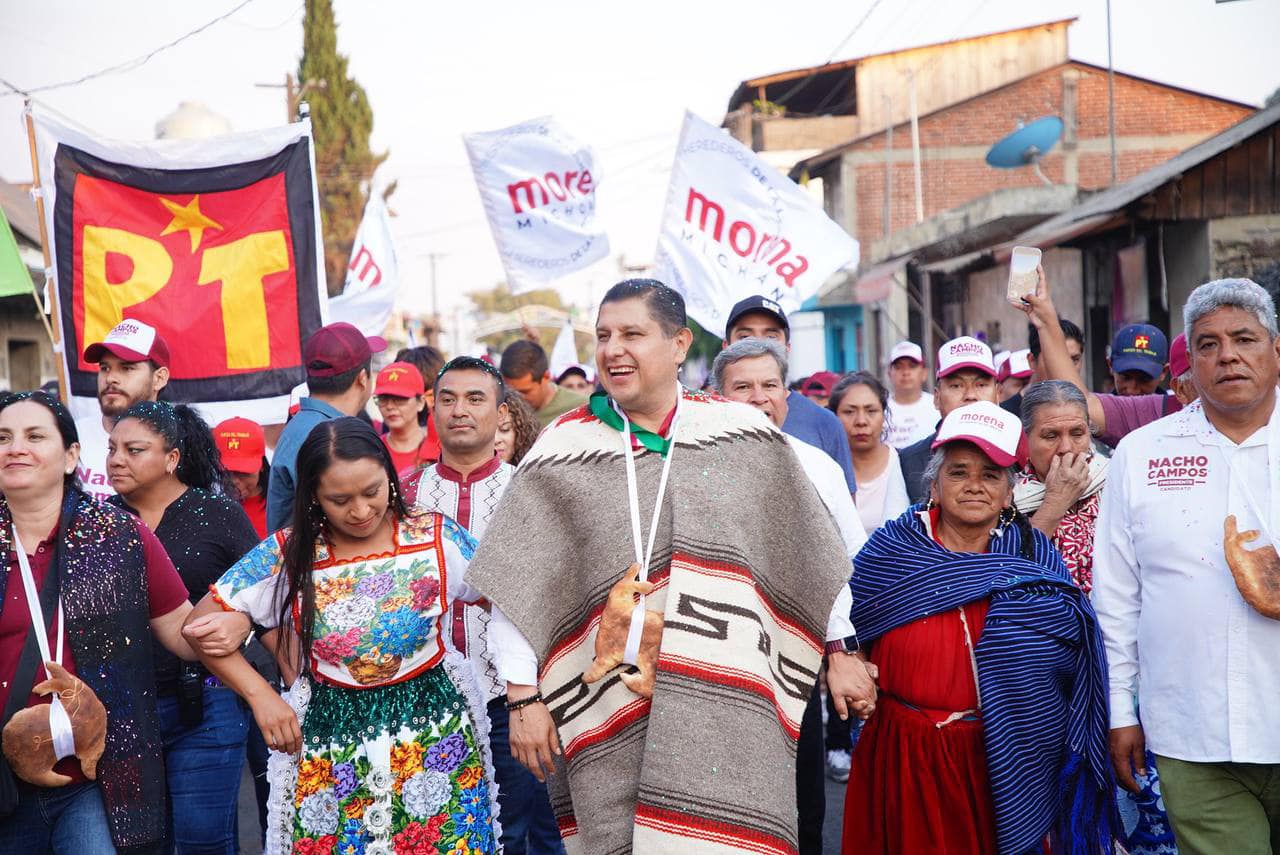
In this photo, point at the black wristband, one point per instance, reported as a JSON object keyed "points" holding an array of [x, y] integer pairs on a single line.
{"points": [[535, 698]]}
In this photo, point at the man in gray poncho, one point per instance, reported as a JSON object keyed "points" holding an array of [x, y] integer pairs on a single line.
{"points": [[674, 656]]}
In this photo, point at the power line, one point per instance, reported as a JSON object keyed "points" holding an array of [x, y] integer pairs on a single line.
{"points": [[124, 66], [836, 50]]}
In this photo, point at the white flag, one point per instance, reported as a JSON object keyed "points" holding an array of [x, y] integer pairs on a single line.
{"points": [[373, 277], [565, 352], [735, 227], [538, 185]]}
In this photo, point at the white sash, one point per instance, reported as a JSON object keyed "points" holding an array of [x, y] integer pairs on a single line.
{"points": [[64, 743], [644, 553]]}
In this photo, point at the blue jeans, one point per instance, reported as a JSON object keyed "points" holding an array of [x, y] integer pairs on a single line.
{"points": [[68, 819], [528, 825], [203, 765]]}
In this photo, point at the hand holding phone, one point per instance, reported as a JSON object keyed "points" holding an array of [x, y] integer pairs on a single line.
{"points": [[1023, 274]]}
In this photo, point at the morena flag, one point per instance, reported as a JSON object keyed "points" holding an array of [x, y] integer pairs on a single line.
{"points": [[214, 242]]}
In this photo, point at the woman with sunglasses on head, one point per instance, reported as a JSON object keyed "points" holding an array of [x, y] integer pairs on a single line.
{"points": [[106, 588], [164, 465], [394, 752]]}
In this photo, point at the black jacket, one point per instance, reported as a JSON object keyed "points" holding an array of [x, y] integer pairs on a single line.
{"points": [[913, 459]]}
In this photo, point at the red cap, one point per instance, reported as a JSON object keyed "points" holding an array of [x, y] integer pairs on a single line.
{"points": [[997, 432], [132, 341], [1179, 359], [337, 348], [822, 382], [400, 379], [241, 445]]}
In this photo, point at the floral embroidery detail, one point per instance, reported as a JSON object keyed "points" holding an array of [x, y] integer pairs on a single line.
{"points": [[470, 777], [354, 838], [333, 589], [426, 792], [319, 813], [308, 846], [392, 603], [418, 839], [313, 776], [352, 612], [345, 783], [460, 536], [425, 593], [355, 808], [399, 633], [406, 760], [377, 586], [261, 562], [336, 646], [446, 754]]}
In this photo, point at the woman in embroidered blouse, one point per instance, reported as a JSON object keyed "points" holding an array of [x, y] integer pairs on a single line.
{"points": [[393, 748]]}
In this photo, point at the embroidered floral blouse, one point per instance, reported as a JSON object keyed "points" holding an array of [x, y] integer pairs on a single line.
{"points": [[377, 619]]}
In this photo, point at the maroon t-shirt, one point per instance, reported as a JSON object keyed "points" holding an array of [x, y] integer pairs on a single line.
{"points": [[1125, 414], [165, 592]]}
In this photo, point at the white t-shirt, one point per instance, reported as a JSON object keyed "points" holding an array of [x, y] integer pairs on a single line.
{"points": [[910, 423], [93, 457], [883, 497]]}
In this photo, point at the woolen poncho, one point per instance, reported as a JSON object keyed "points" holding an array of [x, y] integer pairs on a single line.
{"points": [[747, 565]]}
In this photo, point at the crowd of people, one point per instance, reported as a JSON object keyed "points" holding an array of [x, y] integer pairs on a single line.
{"points": [[465, 606]]}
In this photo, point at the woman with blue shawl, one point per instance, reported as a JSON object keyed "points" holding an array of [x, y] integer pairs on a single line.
{"points": [[991, 731]]}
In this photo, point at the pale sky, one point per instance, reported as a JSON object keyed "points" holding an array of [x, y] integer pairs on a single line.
{"points": [[617, 80]]}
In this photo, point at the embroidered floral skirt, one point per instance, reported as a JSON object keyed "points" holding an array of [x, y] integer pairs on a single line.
{"points": [[391, 769]]}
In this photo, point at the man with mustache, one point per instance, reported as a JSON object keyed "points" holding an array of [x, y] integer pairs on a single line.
{"points": [[1186, 578], [466, 484], [133, 366]]}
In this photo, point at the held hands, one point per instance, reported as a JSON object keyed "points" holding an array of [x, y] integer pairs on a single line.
{"points": [[851, 681], [218, 634], [1128, 755], [533, 737]]}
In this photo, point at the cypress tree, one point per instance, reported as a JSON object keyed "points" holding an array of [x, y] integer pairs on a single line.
{"points": [[341, 121]]}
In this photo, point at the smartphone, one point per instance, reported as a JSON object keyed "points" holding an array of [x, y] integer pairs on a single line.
{"points": [[1023, 277]]}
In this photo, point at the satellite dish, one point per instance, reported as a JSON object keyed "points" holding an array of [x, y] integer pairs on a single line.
{"points": [[1026, 145]]}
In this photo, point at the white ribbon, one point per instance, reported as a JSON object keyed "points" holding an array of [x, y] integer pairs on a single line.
{"points": [[644, 553], [64, 743]]}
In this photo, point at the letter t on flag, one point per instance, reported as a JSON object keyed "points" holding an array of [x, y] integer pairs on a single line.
{"points": [[735, 227]]}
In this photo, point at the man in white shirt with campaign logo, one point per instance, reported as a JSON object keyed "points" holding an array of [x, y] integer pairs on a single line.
{"points": [[1185, 582], [133, 366], [912, 415]]}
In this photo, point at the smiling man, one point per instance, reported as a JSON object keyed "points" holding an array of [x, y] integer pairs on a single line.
{"points": [[133, 366], [660, 541], [1185, 557]]}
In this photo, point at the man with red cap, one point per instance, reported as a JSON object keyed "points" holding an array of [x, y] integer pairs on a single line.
{"points": [[133, 366], [337, 358], [966, 375]]}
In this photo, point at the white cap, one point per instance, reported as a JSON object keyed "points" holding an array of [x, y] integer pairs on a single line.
{"points": [[1001, 358], [992, 428], [965, 352], [906, 350], [1020, 363]]}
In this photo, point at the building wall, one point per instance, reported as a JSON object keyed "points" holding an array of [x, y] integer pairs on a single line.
{"points": [[1153, 122], [26, 357], [1245, 246], [986, 309]]}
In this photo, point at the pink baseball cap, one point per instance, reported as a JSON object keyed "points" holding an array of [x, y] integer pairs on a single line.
{"points": [[132, 341], [1179, 359], [993, 429], [965, 352], [1016, 365], [906, 350]]}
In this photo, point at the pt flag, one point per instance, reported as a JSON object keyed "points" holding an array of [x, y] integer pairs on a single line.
{"points": [[373, 277], [214, 242], [538, 186], [734, 227]]}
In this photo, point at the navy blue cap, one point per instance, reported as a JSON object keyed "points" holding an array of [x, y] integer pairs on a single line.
{"points": [[756, 304], [1139, 347]]}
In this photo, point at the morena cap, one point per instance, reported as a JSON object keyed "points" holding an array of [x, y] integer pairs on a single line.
{"points": [[965, 352], [132, 341], [993, 429], [401, 380], [822, 383], [1017, 365], [337, 348], [241, 444], [756, 304], [906, 350], [1179, 359], [1139, 347]]}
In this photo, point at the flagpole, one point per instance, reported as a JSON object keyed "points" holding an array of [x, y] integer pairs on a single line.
{"points": [[54, 330]]}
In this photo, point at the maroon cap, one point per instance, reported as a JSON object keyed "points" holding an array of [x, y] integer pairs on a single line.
{"points": [[132, 341], [822, 382], [1179, 359], [337, 348]]}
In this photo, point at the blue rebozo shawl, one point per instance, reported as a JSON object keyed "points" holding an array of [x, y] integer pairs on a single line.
{"points": [[1041, 674]]}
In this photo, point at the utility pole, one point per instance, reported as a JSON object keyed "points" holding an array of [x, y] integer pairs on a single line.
{"points": [[1111, 99], [915, 146], [888, 167], [293, 93], [435, 299]]}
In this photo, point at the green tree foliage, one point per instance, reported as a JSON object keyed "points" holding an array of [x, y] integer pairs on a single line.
{"points": [[496, 301], [341, 121]]}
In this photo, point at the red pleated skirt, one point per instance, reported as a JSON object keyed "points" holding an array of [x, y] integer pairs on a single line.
{"points": [[916, 787]]}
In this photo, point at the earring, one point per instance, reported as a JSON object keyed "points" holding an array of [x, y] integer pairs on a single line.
{"points": [[1002, 522], [930, 505]]}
